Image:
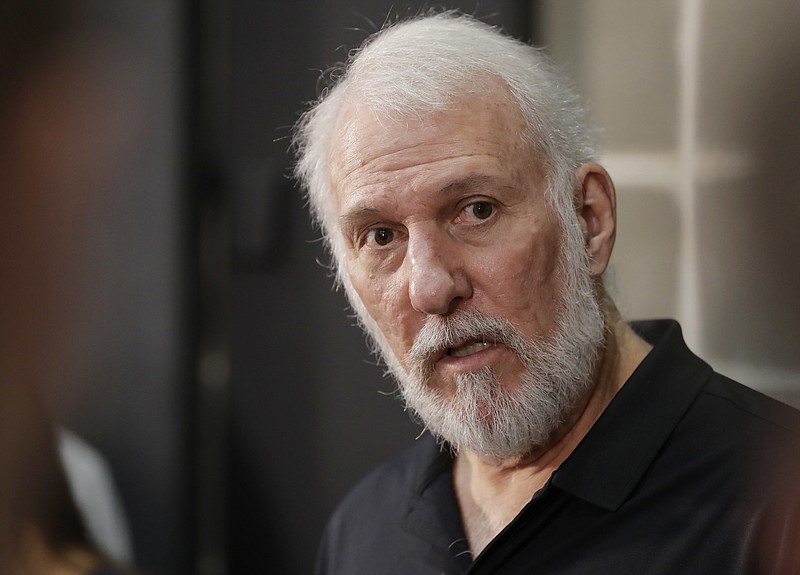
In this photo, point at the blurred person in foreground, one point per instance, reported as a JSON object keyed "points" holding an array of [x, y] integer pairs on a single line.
{"points": [[455, 181], [59, 134], [41, 529]]}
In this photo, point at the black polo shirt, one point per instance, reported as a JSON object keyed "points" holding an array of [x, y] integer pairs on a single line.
{"points": [[663, 483]]}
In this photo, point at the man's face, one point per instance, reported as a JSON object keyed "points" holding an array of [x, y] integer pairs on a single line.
{"points": [[447, 231]]}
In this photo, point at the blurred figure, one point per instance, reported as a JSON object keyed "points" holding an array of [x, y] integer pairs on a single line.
{"points": [[41, 531], [92, 485], [59, 133]]}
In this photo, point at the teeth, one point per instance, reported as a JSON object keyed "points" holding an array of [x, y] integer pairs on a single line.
{"points": [[469, 349]]}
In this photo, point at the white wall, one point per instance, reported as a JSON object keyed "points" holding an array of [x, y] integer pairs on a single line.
{"points": [[698, 103]]}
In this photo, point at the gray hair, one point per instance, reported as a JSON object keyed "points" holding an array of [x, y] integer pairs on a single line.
{"points": [[423, 65]]}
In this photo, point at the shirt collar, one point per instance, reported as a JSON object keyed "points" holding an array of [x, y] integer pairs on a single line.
{"points": [[609, 462]]}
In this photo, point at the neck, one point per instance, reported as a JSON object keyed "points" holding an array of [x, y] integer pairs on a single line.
{"points": [[492, 492]]}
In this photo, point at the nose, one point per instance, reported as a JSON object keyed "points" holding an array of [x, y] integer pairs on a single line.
{"points": [[437, 279]]}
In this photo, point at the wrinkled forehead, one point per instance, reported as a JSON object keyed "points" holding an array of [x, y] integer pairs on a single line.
{"points": [[364, 134]]}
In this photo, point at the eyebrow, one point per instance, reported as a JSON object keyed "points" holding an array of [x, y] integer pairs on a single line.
{"points": [[351, 219], [468, 183]]}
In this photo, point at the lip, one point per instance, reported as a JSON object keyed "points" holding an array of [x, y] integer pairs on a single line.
{"points": [[472, 362], [440, 354]]}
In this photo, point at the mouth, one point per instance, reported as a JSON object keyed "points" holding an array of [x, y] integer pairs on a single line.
{"points": [[467, 341], [469, 347]]}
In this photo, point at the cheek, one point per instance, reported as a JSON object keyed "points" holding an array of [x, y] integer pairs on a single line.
{"points": [[522, 281], [369, 290], [385, 299]]}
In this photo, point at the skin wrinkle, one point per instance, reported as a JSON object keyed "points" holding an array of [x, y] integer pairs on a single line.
{"points": [[352, 220], [534, 283], [349, 144]]}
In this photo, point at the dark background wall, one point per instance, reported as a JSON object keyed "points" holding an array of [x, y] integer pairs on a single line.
{"points": [[310, 410], [211, 361]]}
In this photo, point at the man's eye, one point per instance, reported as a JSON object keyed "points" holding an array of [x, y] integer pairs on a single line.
{"points": [[381, 236], [480, 210]]}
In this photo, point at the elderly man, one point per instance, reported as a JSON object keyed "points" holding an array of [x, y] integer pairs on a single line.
{"points": [[454, 179]]}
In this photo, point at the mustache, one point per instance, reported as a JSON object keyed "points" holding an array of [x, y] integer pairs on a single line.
{"points": [[442, 332]]}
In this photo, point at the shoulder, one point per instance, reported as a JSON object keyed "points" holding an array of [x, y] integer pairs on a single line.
{"points": [[707, 401], [388, 487], [772, 430], [737, 436], [745, 402], [366, 527], [747, 414]]}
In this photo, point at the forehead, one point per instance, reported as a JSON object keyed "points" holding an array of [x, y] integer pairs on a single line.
{"points": [[368, 144]]}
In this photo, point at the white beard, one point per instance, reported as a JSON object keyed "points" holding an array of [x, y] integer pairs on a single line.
{"points": [[483, 415]]}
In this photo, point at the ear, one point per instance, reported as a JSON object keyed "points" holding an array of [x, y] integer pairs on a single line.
{"points": [[596, 207]]}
